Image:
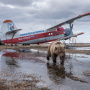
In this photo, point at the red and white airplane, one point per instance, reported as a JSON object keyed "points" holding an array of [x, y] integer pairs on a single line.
{"points": [[10, 34]]}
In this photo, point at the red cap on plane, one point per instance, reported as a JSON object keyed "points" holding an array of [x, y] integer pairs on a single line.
{"points": [[7, 21]]}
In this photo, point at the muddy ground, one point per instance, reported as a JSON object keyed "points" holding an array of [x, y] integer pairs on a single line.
{"points": [[27, 69], [44, 47]]}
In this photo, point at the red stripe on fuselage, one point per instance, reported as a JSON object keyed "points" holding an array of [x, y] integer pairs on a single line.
{"points": [[32, 37]]}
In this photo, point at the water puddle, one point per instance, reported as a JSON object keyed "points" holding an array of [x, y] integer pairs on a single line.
{"points": [[74, 75], [80, 48]]}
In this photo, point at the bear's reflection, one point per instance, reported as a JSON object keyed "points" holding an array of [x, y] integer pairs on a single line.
{"points": [[56, 72]]}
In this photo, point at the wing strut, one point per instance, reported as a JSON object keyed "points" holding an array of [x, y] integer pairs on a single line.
{"points": [[13, 35]]}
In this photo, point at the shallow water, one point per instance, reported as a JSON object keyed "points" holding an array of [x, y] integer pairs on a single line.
{"points": [[80, 48], [74, 75]]}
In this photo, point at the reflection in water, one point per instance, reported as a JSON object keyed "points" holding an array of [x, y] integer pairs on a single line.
{"points": [[11, 63], [23, 56], [56, 70], [57, 73], [10, 59], [16, 63], [9, 66]]}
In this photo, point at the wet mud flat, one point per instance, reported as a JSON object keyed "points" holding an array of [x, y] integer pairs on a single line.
{"points": [[30, 71], [83, 49]]}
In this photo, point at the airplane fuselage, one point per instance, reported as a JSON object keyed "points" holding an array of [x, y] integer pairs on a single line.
{"points": [[37, 37]]}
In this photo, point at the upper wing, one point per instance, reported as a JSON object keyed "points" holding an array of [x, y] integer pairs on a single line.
{"points": [[68, 21]]}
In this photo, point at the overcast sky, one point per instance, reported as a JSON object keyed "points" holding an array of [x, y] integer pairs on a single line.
{"points": [[33, 15]]}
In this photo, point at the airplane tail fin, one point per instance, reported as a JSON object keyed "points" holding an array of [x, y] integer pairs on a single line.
{"points": [[9, 30], [8, 25]]}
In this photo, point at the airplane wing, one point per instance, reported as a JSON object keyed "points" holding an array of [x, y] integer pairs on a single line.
{"points": [[13, 31], [68, 21], [74, 35]]}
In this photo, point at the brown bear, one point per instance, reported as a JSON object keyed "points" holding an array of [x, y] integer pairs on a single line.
{"points": [[55, 49]]}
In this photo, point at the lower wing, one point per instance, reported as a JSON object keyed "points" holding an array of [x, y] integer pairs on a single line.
{"points": [[74, 35]]}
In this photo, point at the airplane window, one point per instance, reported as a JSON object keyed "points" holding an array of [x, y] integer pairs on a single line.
{"points": [[49, 33]]}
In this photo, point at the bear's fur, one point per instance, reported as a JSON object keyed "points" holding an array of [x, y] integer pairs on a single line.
{"points": [[55, 49]]}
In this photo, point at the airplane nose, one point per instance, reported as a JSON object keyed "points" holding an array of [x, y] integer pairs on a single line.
{"points": [[61, 29], [67, 31]]}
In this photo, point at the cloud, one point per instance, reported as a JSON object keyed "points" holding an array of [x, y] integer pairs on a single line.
{"points": [[58, 9], [45, 9], [17, 2], [42, 14]]}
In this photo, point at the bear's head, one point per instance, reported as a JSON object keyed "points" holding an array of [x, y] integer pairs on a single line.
{"points": [[59, 49]]}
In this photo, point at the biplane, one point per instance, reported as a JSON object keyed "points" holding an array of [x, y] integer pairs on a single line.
{"points": [[11, 35]]}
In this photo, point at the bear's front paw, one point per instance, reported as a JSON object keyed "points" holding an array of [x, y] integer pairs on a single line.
{"points": [[47, 58]]}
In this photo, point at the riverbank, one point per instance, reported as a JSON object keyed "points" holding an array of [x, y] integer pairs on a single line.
{"points": [[44, 47]]}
